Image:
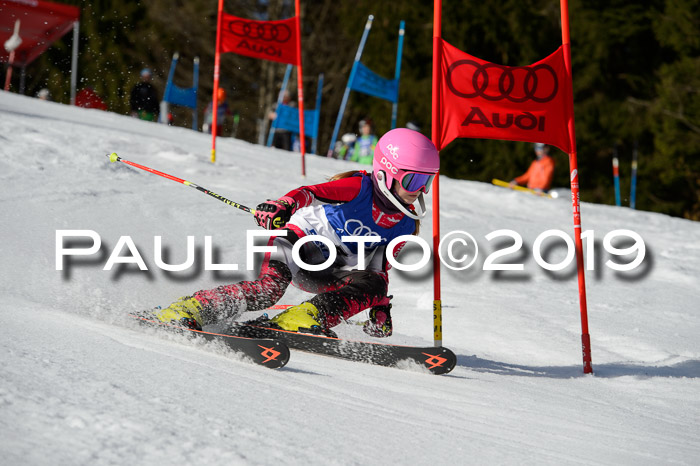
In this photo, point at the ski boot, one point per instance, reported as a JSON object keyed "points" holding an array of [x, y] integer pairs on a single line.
{"points": [[379, 324], [304, 318], [185, 312]]}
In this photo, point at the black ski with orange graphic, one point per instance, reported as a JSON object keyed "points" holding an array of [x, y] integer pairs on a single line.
{"points": [[437, 360], [263, 351]]}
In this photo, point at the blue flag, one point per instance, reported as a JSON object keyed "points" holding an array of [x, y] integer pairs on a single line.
{"points": [[288, 118], [369, 82], [179, 96]]}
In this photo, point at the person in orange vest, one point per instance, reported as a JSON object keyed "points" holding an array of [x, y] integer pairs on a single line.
{"points": [[539, 175]]}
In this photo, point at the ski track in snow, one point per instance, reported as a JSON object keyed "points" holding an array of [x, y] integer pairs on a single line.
{"points": [[82, 385]]}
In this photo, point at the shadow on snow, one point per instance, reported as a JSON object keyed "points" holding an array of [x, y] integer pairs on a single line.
{"points": [[685, 369]]}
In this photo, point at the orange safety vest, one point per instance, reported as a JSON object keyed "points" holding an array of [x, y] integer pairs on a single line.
{"points": [[539, 175]]}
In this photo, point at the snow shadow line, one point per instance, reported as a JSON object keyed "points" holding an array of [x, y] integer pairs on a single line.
{"points": [[93, 124], [685, 369]]}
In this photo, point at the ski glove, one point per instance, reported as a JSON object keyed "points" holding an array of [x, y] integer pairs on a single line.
{"points": [[379, 323], [272, 215]]}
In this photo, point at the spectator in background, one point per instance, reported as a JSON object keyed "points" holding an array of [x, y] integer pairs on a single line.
{"points": [[282, 138], [363, 150], [539, 175], [144, 100], [222, 112], [88, 98], [343, 148], [43, 94]]}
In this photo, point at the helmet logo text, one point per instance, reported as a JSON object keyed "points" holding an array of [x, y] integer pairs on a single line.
{"points": [[389, 166], [393, 150]]}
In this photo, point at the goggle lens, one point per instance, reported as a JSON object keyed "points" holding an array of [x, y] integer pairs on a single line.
{"points": [[412, 181]]}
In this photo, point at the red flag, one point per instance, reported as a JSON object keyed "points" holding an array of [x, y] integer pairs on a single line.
{"points": [[268, 40], [518, 103]]}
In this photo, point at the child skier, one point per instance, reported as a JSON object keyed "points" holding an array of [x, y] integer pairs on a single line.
{"points": [[351, 204]]}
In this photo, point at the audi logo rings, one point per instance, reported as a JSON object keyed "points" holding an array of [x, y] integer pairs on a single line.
{"points": [[260, 31], [355, 227], [539, 83]]}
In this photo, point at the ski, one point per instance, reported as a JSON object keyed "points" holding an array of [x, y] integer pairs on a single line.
{"points": [[438, 360], [263, 351], [505, 184]]}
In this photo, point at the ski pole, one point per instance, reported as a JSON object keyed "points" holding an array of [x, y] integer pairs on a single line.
{"points": [[113, 157]]}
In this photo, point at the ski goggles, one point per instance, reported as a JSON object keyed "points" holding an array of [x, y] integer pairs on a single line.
{"points": [[415, 181]]}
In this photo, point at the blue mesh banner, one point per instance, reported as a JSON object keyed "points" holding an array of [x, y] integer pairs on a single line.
{"points": [[369, 82], [288, 118], [179, 96]]}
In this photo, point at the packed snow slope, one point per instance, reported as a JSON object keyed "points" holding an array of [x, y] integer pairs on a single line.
{"points": [[82, 385]]}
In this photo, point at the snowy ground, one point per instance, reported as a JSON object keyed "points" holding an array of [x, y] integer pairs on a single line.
{"points": [[81, 385]]}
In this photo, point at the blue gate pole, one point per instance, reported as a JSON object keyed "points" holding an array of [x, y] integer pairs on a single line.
{"points": [[171, 74], [280, 96], [195, 86], [358, 55], [397, 76], [633, 185], [319, 92], [163, 118]]}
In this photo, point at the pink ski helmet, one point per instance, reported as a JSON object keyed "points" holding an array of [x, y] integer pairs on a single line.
{"points": [[402, 150]]}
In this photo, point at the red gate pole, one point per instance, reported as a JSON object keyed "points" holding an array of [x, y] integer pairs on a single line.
{"points": [[436, 135], [8, 75], [575, 195], [217, 61], [300, 92]]}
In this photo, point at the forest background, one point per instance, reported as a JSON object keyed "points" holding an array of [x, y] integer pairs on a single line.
{"points": [[636, 76]]}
